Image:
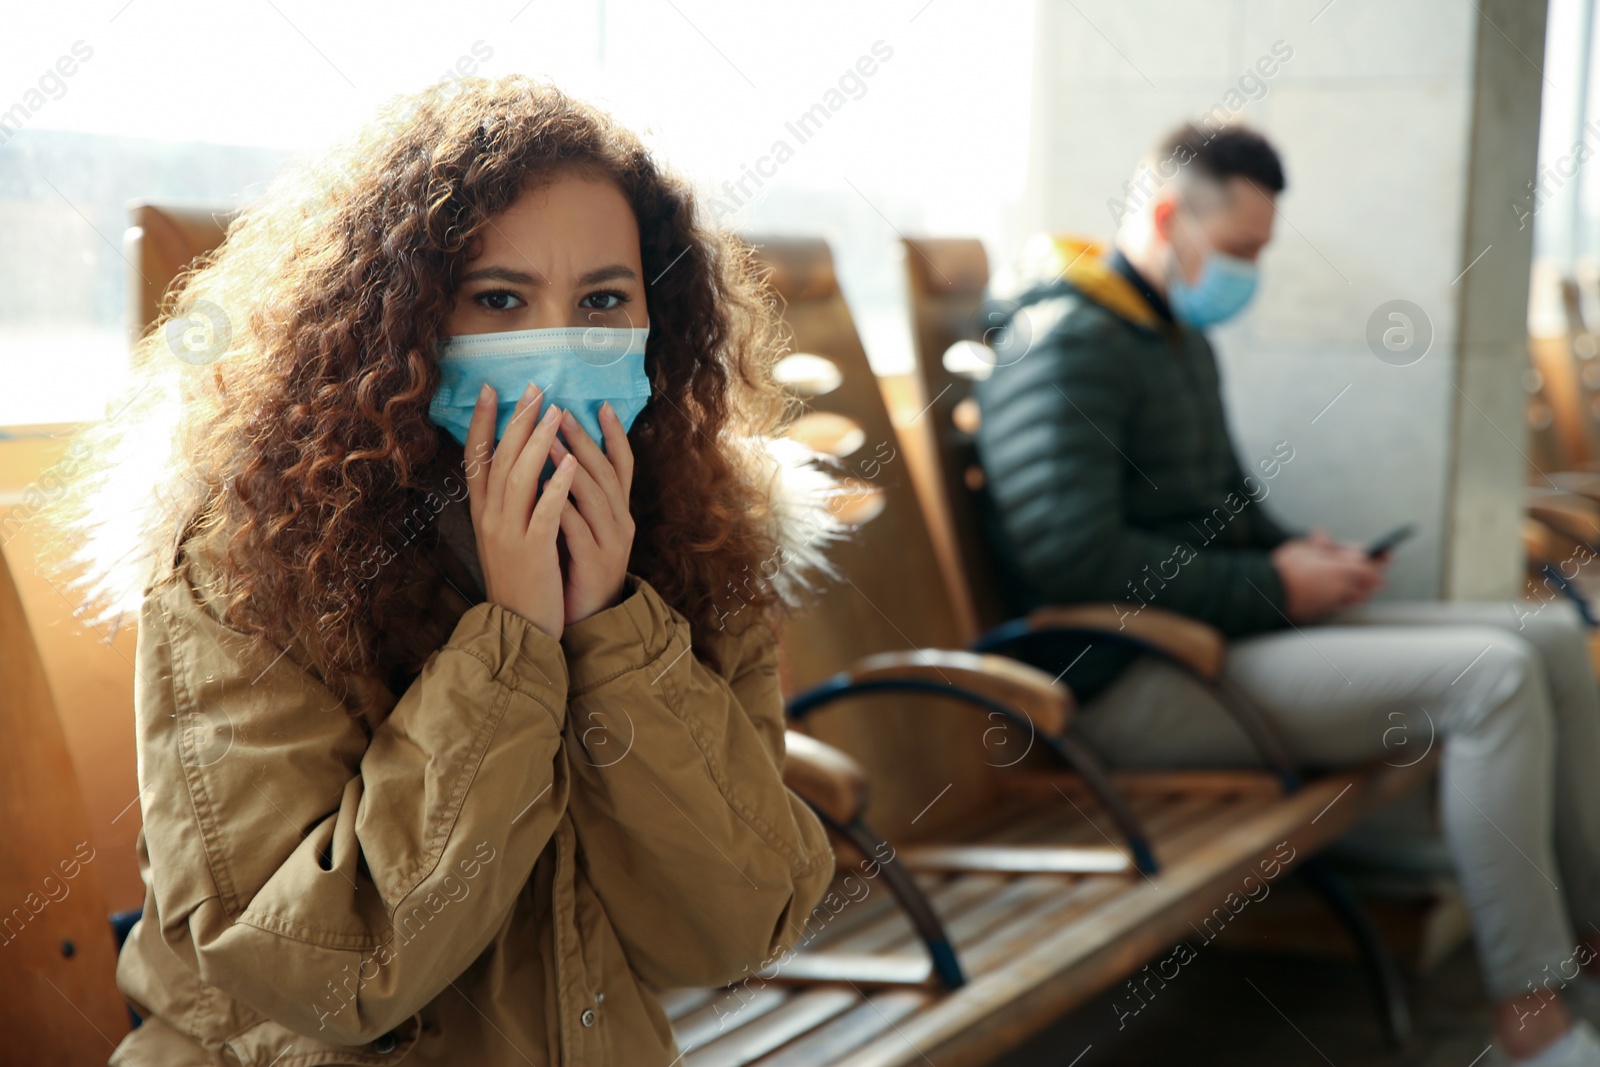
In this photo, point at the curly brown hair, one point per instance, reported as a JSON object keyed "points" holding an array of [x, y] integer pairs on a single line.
{"points": [[309, 436]]}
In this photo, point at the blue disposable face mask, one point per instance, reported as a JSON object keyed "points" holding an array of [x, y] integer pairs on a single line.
{"points": [[1225, 286], [576, 369]]}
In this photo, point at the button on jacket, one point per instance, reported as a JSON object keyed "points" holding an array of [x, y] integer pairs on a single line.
{"points": [[499, 867]]}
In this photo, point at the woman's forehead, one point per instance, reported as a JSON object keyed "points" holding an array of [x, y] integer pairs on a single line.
{"points": [[563, 230]]}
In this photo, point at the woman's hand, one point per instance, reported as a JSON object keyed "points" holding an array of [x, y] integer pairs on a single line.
{"points": [[516, 536], [599, 530]]}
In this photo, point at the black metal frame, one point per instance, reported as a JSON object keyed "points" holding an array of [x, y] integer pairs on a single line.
{"points": [[1072, 752], [1383, 972], [920, 910]]}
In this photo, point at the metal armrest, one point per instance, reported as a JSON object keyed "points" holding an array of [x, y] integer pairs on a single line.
{"points": [[1585, 484], [1571, 516], [1194, 645], [834, 786], [1022, 694], [1005, 686], [822, 776], [1538, 541]]}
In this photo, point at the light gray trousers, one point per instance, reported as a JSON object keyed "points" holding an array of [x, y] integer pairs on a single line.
{"points": [[1506, 691]]}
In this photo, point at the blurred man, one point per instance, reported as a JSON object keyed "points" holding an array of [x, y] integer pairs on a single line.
{"points": [[1112, 478]]}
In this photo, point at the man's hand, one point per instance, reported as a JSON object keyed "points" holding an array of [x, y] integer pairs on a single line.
{"points": [[1321, 575]]}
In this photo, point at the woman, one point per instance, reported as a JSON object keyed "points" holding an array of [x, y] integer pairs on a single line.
{"points": [[446, 755]]}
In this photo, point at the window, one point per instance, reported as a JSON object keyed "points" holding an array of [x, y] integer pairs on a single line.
{"points": [[906, 118]]}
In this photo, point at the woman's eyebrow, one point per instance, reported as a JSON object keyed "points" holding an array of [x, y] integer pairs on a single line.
{"points": [[606, 274], [501, 274], [516, 277]]}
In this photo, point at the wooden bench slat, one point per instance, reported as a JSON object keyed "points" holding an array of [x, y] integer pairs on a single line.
{"points": [[1001, 906], [973, 901], [1019, 859], [890, 926], [1002, 942], [1052, 818], [837, 967], [802, 1014], [1162, 818], [875, 1014], [1019, 894], [990, 935], [1034, 902], [1186, 840], [1032, 945], [1140, 783], [968, 904], [1002, 820], [680, 1002], [736, 1004], [1077, 960]]}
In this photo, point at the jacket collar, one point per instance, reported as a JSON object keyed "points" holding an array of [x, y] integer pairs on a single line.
{"points": [[1147, 292], [1084, 264]]}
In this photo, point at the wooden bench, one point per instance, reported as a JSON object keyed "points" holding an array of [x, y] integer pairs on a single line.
{"points": [[1016, 854], [1561, 531], [1026, 870], [1034, 945], [947, 280]]}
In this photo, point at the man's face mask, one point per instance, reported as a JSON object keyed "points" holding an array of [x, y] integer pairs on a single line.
{"points": [[1225, 285], [576, 368]]}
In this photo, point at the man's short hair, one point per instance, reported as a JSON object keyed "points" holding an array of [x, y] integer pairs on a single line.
{"points": [[1225, 152]]}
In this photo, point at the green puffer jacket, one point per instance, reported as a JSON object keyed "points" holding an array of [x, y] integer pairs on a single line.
{"points": [[1110, 475]]}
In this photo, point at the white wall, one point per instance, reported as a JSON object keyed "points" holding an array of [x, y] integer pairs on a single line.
{"points": [[1375, 115]]}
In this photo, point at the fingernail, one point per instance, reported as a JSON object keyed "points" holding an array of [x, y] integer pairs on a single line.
{"points": [[605, 406], [484, 393], [552, 412]]}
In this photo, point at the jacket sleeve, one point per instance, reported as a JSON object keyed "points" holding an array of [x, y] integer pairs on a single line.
{"points": [[1266, 532], [705, 862], [332, 883], [1054, 442]]}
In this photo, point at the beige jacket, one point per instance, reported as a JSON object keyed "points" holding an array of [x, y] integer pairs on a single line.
{"points": [[535, 837]]}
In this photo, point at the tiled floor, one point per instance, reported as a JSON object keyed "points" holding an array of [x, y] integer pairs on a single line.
{"points": [[1242, 1009]]}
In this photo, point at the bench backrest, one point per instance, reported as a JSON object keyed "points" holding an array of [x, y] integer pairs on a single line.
{"points": [[1563, 409], [946, 281], [56, 929], [161, 240], [893, 595]]}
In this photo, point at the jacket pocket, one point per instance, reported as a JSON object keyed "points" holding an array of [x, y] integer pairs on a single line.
{"points": [[268, 1043]]}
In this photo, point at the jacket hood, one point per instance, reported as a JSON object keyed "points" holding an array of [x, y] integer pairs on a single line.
{"points": [[801, 484], [1049, 259]]}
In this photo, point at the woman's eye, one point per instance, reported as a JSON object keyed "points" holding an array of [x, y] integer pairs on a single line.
{"points": [[607, 301], [499, 300]]}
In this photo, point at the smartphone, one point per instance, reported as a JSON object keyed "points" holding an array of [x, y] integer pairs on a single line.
{"points": [[1383, 545]]}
